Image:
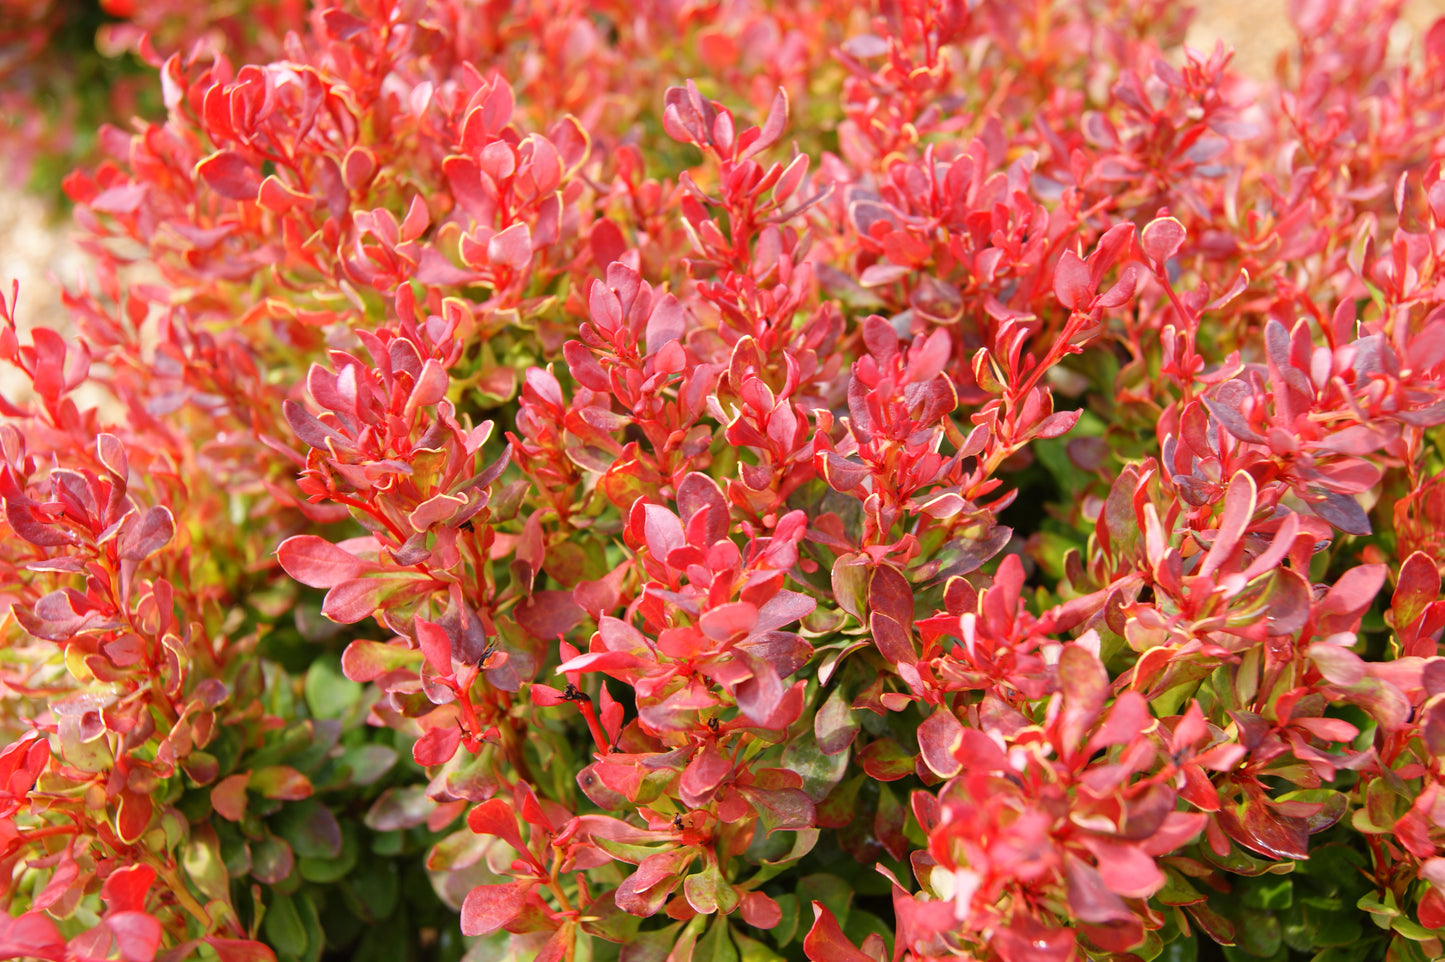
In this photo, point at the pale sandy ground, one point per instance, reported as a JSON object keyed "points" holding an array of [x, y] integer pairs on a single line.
{"points": [[36, 250]]}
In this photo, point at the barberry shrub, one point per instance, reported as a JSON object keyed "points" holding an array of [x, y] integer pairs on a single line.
{"points": [[738, 481]]}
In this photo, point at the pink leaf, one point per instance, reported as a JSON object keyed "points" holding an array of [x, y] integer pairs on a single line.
{"points": [[31, 935], [126, 889], [1239, 504], [1071, 282], [729, 621], [1161, 239], [512, 247], [435, 645], [230, 175], [939, 739], [351, 601], [241, 950], [703, 775], [662, 531], [137, 934], [665, 324], [317, 562]]}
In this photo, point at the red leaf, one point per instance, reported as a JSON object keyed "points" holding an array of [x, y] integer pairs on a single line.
{"points": [[143, 537], [760, 911], [939, 738], [886, 760], [125, 890], [351, 601], [1239, 504], [826, 942], [1125, 869], [489, 907], [435, 645], [1086, 687], [228, 798], [1090, 899], [729, 621], [1418, 587], [512, 247], [662, 531], [241, 950], [138, 934], [30, 936], [495, 817], [281, 198], [772, 127], [230, 175], [1071, 282], [703, 775], [133, 815], [437, 746], [318, 563], [1058, 424], [890, 594], [1161, 239], [665, 324]]}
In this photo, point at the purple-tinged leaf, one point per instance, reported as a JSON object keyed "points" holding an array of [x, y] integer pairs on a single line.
{"points": [[547, 614], [1090, 899], [143, 536], [1343, 512]]}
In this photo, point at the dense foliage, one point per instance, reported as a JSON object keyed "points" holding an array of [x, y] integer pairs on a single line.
{"points": [[703, 481]]}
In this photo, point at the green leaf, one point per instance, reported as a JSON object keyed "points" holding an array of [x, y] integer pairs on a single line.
{"points": [[375, 889], [283, 928], [708, 892], [366, 764], [329, 693], [325, 869], [751, 950], [716, 945], [832, 891], [1270, 894], [863, 924], [311, 829], [820, 772], [787, 927], [1180, 950]]}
